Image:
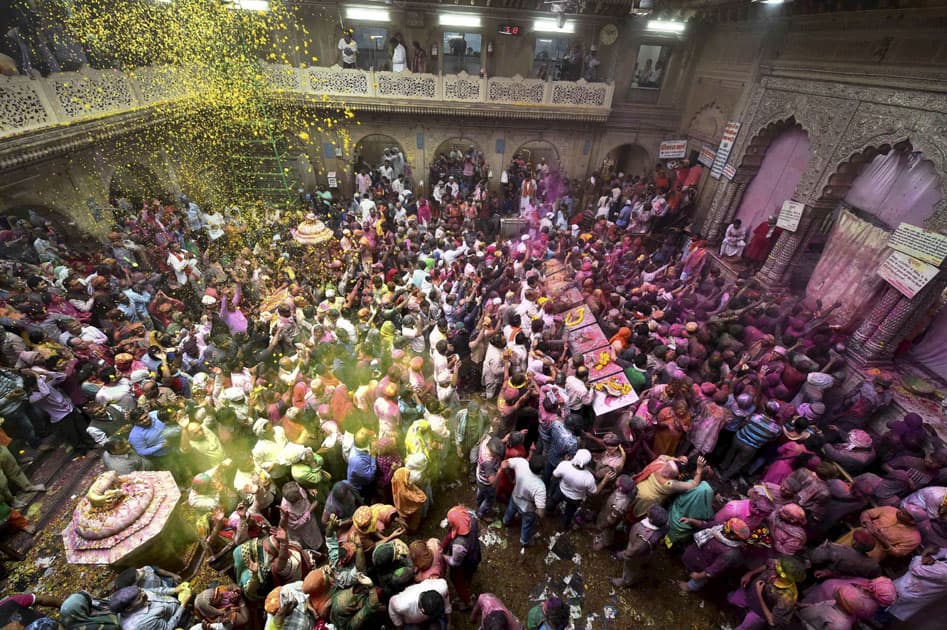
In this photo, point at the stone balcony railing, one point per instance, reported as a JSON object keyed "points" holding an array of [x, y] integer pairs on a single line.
{"points": [[66, 98], [506, 97]]}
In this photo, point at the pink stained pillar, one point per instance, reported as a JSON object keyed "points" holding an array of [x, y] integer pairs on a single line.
{"points": [[881, 345], [857, 346], [773, 273]]}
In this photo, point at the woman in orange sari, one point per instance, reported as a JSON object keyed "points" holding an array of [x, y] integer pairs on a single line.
{"points": [[673, 423], [407, 496]]}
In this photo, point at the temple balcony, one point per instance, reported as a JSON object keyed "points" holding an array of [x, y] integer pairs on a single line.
{"points": [[65, 111]]}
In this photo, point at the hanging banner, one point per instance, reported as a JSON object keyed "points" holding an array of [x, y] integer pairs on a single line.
{"points": [[923, 244], [729, 171], [706, 156], [790, 215], [672, 149], [907, 275], [723, 151]]}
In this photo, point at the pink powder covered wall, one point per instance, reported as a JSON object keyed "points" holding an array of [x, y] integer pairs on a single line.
{"points": [[782, 168]]}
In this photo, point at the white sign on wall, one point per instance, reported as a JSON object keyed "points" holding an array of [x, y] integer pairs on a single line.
{"points": [[723, 151], [706, 156], [333, 180], [790, 215], [672, 149], [729, 171], [907, 275], [923, 244]]}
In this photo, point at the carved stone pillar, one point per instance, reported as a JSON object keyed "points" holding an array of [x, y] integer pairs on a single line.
{"points": [[881, 345], [857, 345], [788, 247]]}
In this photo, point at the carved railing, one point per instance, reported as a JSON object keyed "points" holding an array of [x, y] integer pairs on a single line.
{"points": [[69, 97]]}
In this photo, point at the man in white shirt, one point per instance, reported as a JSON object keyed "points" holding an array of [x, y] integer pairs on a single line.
{"points": [[386, 170], [399, 56], [365, 207], [577, 389], [576, 484], [348, 50], [418, 604], [438, 192], [529, 495], [397, 161], [363, 182]]}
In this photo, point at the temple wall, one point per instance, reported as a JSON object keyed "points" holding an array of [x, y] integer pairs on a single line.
{"points": [[851, 79]]}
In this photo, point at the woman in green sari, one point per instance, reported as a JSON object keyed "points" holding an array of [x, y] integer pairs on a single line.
{"points": [[694, 504], [76, 613]]}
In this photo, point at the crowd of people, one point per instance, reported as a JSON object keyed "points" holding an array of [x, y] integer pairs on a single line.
{"points": [[315, 398]]}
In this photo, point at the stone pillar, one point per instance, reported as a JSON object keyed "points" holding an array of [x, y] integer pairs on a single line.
{"points": [[880, 347], [883, 306], [788, 246]]}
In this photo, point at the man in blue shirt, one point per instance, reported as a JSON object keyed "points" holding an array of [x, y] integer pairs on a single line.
{"points": [[624, 215], [149, 438], [758, 431]]}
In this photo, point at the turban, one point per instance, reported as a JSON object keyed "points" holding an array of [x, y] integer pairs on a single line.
{"points": [[850, 599], [691, 327], [791, 568], [138, 376], [259, 427], [417, 363], [820, 380], [362, 519], [458, 517], [858, 439], [272, 604], [233, 394], [316, 586], [883, 590], [737, 529], [708, 388], [438, 426], [793, 513], [581, 458], [123, 358]]}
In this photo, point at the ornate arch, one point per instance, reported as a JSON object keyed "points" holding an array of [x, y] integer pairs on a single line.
{"points": [[707, 124], [867, 145], [643, 154], [358, 145], [755, 149], [541, 140], [461, 141]]}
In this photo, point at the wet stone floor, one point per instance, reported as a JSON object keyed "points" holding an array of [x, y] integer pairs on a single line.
{"points": [[520, 579]]}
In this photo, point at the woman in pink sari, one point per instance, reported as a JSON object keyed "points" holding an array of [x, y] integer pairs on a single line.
{"points": [[424, 212], [301, 525], [753, 510]]}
